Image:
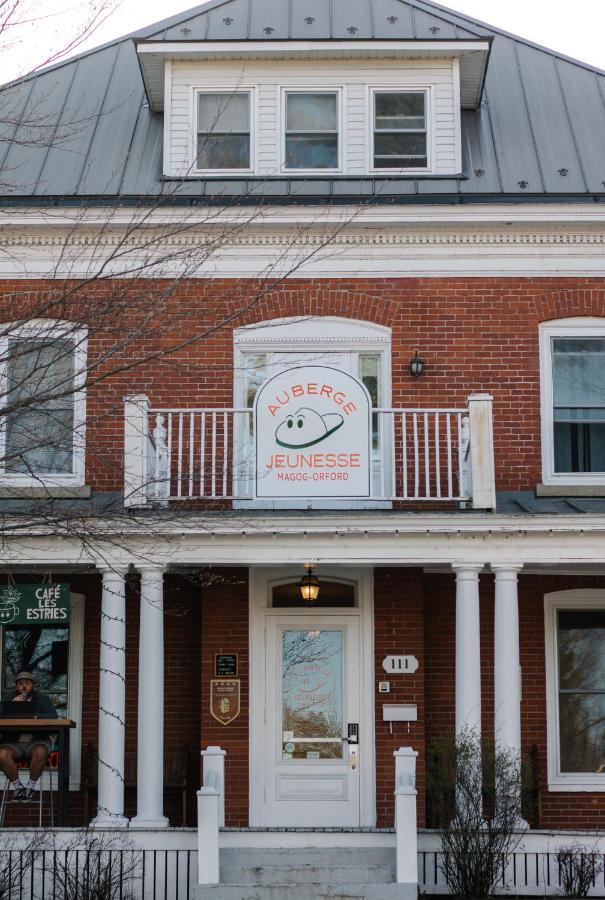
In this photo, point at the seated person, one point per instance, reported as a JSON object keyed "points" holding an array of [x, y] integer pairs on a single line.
{"points": [[30, 746]]}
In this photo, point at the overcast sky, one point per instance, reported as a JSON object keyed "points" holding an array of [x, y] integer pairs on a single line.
{"points": [[577, 29]]}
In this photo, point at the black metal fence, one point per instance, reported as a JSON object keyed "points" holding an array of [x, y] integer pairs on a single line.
{"points": [[81, 874], [131, 874]]}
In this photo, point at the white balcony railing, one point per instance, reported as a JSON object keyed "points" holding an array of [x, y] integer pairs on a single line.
{"points": [[207, 454]]}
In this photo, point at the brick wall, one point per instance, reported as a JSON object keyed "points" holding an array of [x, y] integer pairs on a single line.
{"points": [[225, 630], [399, 629], [477, 334]]}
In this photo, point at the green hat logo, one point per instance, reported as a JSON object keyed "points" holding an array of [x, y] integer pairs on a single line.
{"points": [[306, 428]]}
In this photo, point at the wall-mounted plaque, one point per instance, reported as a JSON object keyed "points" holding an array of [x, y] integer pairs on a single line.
{"points": [[225, 665], [224, 699], [400, 665]]}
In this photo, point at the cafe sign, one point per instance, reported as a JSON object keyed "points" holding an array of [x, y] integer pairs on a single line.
{"points": [[313, 435], [34, 604]]}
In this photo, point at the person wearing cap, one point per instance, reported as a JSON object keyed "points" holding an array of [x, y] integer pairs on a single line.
{"points": [[27, 746]]}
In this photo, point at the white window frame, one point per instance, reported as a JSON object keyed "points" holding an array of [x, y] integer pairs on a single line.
{"points": [[425, 89], [46, 329], [222, 89], [339, 91], [75, 687], [564, 600], [562, 328]]}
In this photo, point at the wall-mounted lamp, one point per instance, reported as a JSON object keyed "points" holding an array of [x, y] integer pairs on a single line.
{"points": [[416, 364], [309, 587]]}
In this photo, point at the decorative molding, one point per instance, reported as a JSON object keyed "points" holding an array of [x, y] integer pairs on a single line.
{"points": [[285, 238]]}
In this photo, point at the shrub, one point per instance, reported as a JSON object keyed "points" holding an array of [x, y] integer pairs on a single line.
{"points": [[579, 868]]}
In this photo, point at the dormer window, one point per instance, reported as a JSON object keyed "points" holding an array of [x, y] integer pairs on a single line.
{"points": [[311, 130], [400, 130], [224, 131]]}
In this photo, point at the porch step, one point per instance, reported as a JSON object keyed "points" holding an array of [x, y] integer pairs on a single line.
{"points": [[307, 874]]}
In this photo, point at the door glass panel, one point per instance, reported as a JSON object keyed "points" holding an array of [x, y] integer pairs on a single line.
{"points": [[312, 694]]}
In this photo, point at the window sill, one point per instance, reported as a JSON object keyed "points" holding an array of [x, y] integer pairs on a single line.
{"points": [[570, 490], [39, 492], [559, 787]]}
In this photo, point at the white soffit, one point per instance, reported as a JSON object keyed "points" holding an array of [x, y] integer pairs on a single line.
{"points": [[473, 56]]}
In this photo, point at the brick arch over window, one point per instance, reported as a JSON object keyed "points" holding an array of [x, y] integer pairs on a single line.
{"points": [[376, 302], [569, 302]]}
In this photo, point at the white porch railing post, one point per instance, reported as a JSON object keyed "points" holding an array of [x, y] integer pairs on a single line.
{"points": [[482, 451], [136, 432], [214, 762], [210, 815], [405, 819]]}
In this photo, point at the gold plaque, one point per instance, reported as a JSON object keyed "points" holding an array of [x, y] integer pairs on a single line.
{"points": [[224, 699]]}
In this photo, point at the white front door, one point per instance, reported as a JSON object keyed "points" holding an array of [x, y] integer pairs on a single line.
{"points": [[312, 766]]}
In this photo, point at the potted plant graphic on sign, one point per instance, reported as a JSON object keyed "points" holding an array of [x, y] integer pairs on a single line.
{"points": [[9, 598]]}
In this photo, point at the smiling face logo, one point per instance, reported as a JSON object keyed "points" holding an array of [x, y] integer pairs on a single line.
{"points": [[306, 428]]}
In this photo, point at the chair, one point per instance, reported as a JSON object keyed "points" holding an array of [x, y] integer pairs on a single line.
{"points": [[41, 795]]}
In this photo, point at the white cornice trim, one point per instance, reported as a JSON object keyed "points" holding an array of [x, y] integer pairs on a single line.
{"points": [[310, 49], [318, 250], [505, 216]]}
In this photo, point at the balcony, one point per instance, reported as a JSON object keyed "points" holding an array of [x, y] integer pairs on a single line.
{"points": [[207, 458]]}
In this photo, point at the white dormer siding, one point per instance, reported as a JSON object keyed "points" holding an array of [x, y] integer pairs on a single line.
{"points": [[354, 81]]}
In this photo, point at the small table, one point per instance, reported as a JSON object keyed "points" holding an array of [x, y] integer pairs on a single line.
{"points": [[50, 726]]}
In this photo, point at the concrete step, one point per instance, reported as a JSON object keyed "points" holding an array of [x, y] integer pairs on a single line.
{"points": [[320, 891], [268, 875], [307, 874]]}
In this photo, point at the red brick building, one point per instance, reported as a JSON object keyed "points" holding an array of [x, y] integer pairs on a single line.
{"points": [[290, 295]]}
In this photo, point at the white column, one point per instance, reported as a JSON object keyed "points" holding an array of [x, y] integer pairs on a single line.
{"points": [[507, 668], [150, 758], [468, 649], [112, 701]]}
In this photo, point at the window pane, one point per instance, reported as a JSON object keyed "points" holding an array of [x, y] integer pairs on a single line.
{"points": [[395, 146], [399, 111], [582, 650], [582, 728], [303, 152], [311, 112], [312, 694], [223, 151], [579, 447], [42, 651], [579, 372], [39, 436], [40, 441], [223, 113]]}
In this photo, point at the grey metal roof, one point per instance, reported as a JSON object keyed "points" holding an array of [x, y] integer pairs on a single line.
{"points": [[83, 129], [519, 504]]}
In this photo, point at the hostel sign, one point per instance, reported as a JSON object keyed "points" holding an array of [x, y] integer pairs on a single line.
{"points": [[34, 604], [313, 435]]}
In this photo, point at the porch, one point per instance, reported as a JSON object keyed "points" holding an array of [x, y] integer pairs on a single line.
{"points": [[163, 865]]}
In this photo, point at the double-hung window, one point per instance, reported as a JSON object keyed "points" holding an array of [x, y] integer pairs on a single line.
{"points": [[575, 642], [224, 127], [399, 130], [42, 404], [311, 130], [573, 401]]}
